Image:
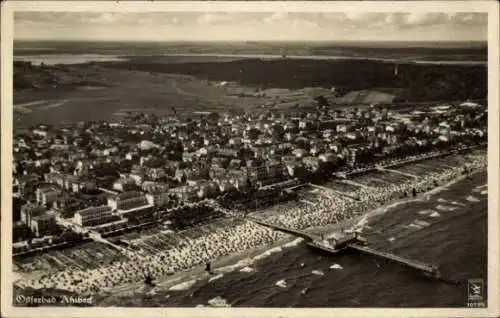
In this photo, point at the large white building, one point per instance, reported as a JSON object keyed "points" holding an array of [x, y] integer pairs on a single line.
{"points": [[93, 216]]}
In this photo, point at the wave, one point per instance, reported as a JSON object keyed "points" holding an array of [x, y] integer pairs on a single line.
{"points": [[233, 267], [471, 198], [317, 273], [281, 283], [435, 215], [445, 208], [245, 263], [218, 302], [267, 253], [421, 223], [215, 277], [183, 286], [484, 192], [293, 243], [479, 188], [441, 200], [425, 212], [336, 266], [392, 238], [416, 226], [246, 269], [457, 203]]}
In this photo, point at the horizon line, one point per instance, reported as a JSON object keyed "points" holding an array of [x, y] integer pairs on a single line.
{"points": [[481, 42]]}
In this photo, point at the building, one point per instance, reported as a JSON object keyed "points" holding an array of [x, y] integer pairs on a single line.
{"points": [[43, 224], [311, 163], [30, 210], [137, 211], [228, 152], [124, 184], [158, 198], [93, 216], [185, 193], [127, 200], [47, 194], [257, 173], [216, 173], [70, 182], [156, 173]]}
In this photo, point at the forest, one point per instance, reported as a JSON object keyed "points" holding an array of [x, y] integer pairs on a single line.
{"points": [[420, 82]]}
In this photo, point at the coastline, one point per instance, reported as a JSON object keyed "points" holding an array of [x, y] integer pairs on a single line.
{"points": [[80, 59], [233, 262]]}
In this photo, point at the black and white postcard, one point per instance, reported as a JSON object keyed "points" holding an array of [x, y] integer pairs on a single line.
{"points": [[267, 158]]}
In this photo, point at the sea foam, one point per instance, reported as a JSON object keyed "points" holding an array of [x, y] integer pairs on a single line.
{"points": [[215, 277], [281, 283], [183, 286], [218, 302], [471, 198], [293, 243], [336, 266], [317, 273], [246, 269], [425, 212], [267, 253], [445, 208], [422, 223], [416, 226]]}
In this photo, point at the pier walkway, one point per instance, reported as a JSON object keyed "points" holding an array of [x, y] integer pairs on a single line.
{"points": [[354, 243], [304, 235], [427, 268]]}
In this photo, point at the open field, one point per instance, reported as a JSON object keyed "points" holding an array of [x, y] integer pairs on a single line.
{"points": [[161, 94]]}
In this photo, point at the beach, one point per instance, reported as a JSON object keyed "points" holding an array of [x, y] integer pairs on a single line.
{"points": [[238, 246], [299, 276]]}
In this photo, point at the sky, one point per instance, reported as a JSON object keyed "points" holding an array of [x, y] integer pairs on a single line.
{"points": [[248, 26]]}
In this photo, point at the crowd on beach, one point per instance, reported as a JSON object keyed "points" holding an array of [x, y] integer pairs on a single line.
{"points": [[327, 208]]}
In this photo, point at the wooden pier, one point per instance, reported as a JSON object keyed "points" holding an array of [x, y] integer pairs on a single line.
{"points": [[353, 242], [426, 268], [304, 235]]}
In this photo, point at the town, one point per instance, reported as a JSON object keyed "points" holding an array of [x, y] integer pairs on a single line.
{"points": [[108, 193]]}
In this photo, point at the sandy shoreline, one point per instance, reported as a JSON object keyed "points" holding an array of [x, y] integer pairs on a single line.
{"points": [[244, 258]]}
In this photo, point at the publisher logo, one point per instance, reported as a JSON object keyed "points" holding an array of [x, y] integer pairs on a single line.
{"points": [[476, 290], [475, 293]]}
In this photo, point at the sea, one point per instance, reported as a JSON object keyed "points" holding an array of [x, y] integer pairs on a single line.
{"points": [[448, 229], [66, 52]]}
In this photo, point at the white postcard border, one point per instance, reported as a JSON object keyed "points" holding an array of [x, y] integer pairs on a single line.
{"points": [[8, 8]]}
